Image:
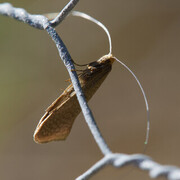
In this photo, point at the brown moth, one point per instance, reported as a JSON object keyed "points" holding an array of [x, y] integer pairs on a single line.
{"points": [[57, 122]]}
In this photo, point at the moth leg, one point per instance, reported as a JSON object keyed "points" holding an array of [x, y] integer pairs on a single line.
{"points": [[91, 68], [78, 64], [68, 80], [78, 70]]}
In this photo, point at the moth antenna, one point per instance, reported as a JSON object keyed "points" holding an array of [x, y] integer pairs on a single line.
{"points": [[144, 96], [86, 16]]}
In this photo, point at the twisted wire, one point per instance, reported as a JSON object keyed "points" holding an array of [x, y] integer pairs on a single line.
{"points": [[116, 159]]}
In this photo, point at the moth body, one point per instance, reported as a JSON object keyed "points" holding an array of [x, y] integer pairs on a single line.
{"points": [[57, 122]]}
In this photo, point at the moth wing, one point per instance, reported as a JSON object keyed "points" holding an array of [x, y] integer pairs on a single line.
{"points": [[57, 122]]}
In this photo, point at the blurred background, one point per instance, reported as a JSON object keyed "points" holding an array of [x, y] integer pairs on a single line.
{"points": [[145, 36]]}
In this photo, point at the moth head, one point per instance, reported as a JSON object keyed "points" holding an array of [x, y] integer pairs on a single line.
{"points": [[107, 59]]}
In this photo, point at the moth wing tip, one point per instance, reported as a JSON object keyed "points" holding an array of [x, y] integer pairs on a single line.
{"points": [[45, 139]]}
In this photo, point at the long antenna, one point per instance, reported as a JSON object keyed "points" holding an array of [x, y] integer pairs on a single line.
{"points": [[85, 16], [144, 96]]}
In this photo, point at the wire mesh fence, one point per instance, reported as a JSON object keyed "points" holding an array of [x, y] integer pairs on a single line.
{"points": [[117, 160]]}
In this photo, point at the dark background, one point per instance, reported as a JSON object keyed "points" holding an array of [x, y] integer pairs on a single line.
{"points": [[145, 35]]}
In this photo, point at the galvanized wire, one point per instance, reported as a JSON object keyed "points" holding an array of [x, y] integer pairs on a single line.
{"points": [[37, 21], [117, 160], [141, 161]]}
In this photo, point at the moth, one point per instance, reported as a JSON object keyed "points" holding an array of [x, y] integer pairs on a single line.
{"points": [[59, 117]]}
